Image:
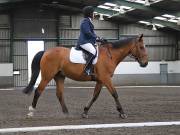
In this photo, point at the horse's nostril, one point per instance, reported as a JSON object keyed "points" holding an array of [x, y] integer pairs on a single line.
{"points": [[144, 64]]}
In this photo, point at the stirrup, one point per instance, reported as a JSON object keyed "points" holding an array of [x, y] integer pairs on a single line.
{"points": [[88, 71]]}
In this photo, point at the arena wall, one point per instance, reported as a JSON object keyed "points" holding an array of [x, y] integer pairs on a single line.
{"points": [[63, 30]]}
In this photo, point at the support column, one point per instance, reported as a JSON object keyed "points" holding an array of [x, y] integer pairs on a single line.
{"points": [[11, 36], [57, 29]]}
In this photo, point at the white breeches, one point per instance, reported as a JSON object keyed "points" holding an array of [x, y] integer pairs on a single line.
{"points": [[89, 47]]}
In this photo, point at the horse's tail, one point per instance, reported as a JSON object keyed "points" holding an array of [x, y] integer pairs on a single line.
{"points": [[35, 67]]}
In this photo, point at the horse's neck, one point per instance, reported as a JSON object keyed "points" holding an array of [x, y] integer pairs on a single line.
{"points": [[118, 54]]}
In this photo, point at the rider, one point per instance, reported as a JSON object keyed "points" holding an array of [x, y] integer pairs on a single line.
{"points": [[87, 38]]}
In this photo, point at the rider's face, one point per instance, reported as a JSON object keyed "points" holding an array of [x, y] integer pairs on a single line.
{"points": [[93, 16]]}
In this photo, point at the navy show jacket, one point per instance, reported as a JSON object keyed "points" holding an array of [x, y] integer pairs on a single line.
{"points": [[87, 34]]}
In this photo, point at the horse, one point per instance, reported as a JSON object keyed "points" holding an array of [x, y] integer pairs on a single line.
{"points": [[55, 64]]}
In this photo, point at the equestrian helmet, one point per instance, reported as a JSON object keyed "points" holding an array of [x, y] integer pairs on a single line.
{"points": [[88, 11]]}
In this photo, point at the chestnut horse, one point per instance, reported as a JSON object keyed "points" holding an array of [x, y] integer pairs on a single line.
{"points": [[55, 64]]}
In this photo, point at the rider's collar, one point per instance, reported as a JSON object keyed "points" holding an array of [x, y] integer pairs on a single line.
{"points": [[90, 19]]}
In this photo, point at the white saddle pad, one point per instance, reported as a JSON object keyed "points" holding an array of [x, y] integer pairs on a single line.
{"points": [[76, 56]]}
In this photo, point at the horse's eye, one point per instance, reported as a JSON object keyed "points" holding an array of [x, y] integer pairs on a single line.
{"points": [[141, 48]]}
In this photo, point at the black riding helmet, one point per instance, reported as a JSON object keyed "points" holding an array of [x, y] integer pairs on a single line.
{"points": [[88, 11]]}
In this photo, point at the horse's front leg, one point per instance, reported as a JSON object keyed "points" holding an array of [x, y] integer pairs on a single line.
{"points": [[97, 90], [113, 92]]}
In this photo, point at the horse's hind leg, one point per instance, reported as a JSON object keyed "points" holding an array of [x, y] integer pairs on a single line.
{"points": [[37, 94], [60, 91], [97, 90]]}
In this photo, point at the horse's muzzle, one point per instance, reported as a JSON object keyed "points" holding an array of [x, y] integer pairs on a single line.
{"points": [[143, 64]]}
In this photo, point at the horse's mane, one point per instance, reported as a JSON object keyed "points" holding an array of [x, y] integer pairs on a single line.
{"points": [[122, 42]]}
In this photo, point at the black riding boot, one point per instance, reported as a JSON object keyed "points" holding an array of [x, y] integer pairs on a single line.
{"points": [[88, 66]]}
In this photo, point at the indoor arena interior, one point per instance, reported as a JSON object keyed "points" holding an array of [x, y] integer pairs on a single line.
{"points": [[89, 67]]}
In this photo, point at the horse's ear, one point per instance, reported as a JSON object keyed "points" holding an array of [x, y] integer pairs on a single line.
{"points": [[141, 36]]}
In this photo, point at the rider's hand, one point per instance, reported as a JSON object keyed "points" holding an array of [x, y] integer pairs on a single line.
{"points": [[98, 39], [103, 40]]}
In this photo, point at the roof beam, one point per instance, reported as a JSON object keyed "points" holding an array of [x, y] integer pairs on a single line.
{"points": [[140, 6], [157, 12], [59, 6], [175, 0], [134, 19], [168, 24], [176, 14], [106, 11]]}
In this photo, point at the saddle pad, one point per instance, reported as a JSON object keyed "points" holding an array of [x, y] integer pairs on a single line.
{"points": [[76, 56]]}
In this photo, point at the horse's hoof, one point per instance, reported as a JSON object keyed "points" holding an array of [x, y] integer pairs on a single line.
{"points": [[65, 111], [84, 115], [27, 91], [31, 112], [31, 109], [30, 115], [123, 116]]}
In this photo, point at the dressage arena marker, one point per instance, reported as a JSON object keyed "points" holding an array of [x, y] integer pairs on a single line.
{"points": [[94, 126]]}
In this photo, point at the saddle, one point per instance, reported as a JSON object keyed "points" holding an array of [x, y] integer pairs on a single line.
{"points": [[80, 57]]}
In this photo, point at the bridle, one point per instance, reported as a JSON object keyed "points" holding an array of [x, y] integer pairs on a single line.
{"points": [[138, 57], [133, 56]]}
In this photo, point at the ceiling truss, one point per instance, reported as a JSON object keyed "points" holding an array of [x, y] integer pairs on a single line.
{"points": [[150, 13]]}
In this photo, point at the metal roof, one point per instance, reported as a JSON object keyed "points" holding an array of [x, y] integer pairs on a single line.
{"points": [[155, 13], [161, 14], [72, 6]]}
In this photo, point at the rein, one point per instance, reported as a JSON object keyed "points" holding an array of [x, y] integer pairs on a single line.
{"points": [[108, 50], [109, 53]]}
